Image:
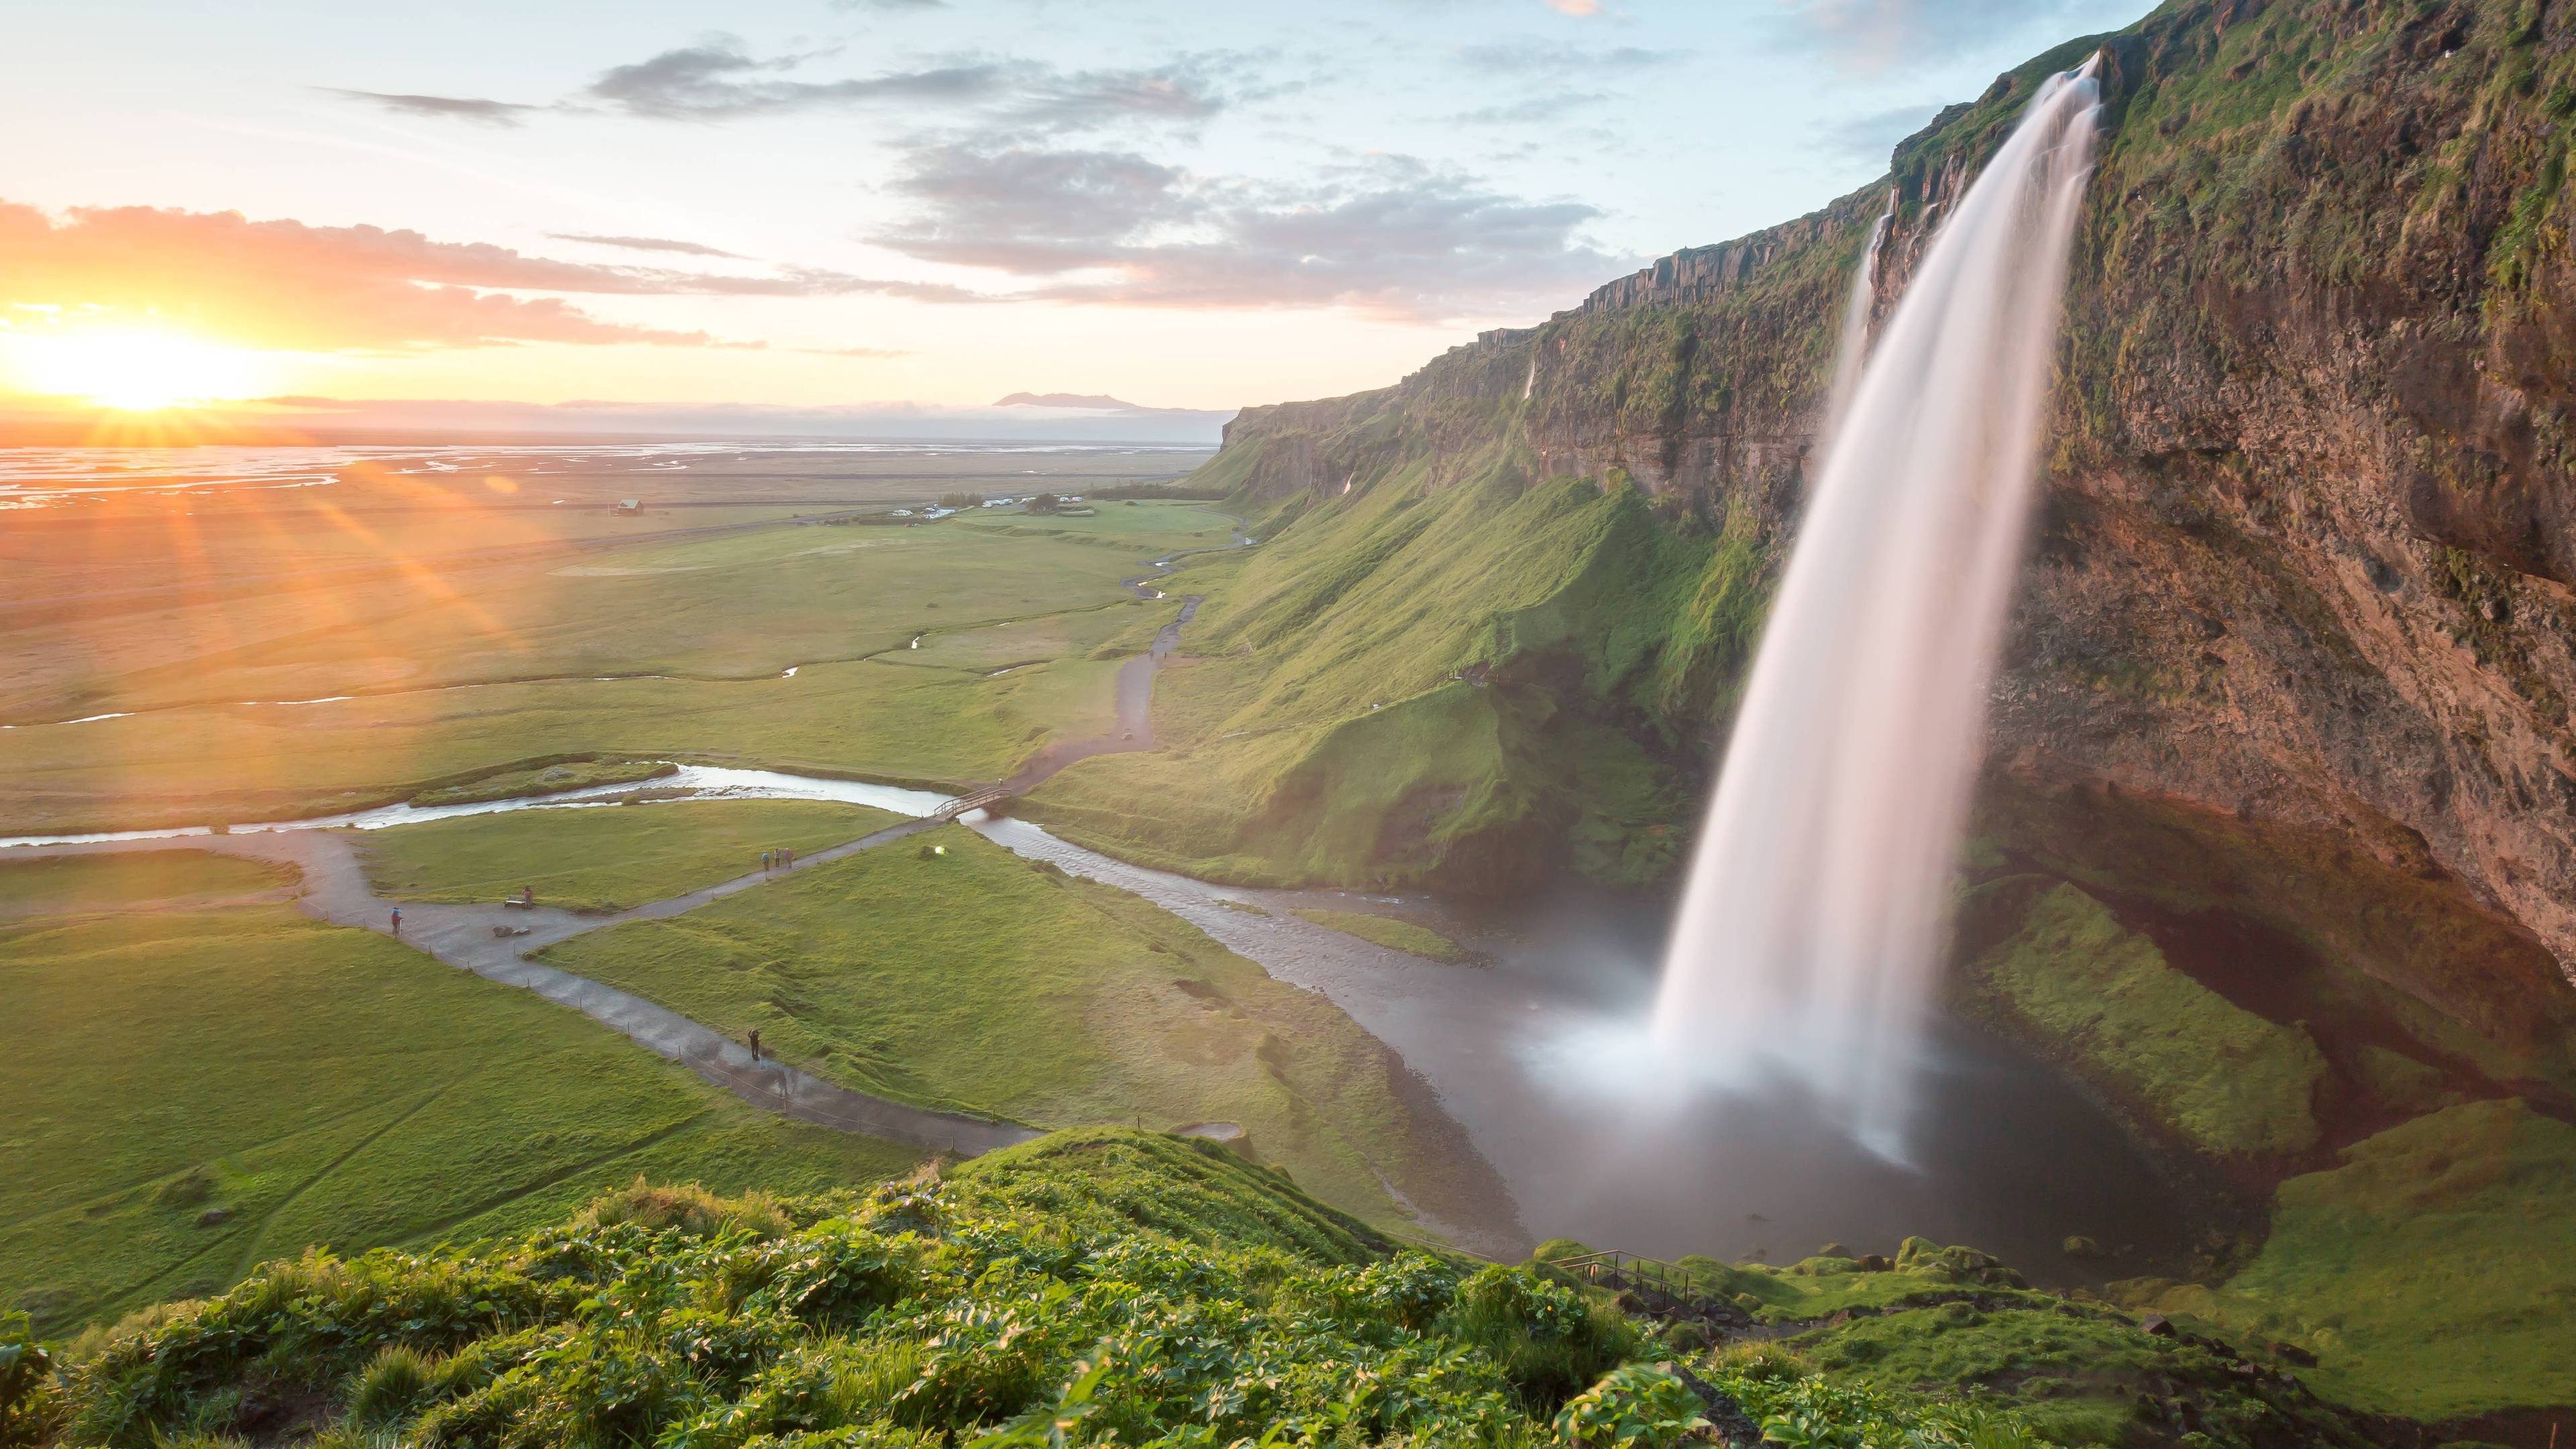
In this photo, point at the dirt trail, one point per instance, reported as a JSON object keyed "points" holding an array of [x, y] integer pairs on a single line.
{"points": [[461, 935]]}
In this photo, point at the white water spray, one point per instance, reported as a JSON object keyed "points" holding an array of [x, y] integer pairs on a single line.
{"points": [[1811, 932]]}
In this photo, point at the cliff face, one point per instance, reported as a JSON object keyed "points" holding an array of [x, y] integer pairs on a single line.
{"points": [[2307, 550]]}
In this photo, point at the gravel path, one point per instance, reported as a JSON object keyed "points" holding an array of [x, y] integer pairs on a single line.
{"points": [[336, 891]]}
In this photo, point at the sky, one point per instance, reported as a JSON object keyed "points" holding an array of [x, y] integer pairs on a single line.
{"points": [[818, 203]]}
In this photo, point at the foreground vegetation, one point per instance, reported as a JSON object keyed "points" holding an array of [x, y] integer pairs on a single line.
{"points": [[1091, 1288], [607, 858], [946, 971], [191, 1092]]}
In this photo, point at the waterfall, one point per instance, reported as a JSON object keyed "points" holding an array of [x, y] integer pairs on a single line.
{"points": [[1852, 347], [1810, 936]]}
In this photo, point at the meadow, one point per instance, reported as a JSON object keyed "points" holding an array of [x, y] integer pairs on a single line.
{"points": [[604, 858], [194, 1091], [976, 981], [305, 703]]}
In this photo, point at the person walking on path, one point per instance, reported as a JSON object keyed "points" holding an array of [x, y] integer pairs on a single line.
{"points": [[765, 859], [755, 1046], [397, 920]]}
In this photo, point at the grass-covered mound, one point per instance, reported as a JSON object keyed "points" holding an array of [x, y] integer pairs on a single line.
{"points": [[1388, 932], [2432, 1274], [1954, 1323], [1091, 1288], [2227, 1081], [191, 1092], [977, 981], [603, 859]]}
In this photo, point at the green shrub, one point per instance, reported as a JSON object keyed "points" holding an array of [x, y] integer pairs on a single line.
{"points": [[397, 1384], [1636, 1407], [1551, 1341]]}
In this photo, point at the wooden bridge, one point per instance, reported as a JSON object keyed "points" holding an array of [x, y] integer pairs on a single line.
{"points": [[982, 799]]}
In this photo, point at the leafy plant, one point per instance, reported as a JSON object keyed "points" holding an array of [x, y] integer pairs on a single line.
{"points": [[1636, 1407]]}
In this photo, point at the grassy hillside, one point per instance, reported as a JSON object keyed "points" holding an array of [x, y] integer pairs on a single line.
{"points": [[1091, 1288], [1450, 683], [192, 1092]]}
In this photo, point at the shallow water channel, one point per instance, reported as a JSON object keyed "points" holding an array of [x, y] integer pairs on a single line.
{"points": [[1538, 1052]]}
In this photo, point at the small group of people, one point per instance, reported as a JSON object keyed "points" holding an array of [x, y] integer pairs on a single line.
{"points": [[777, 859]]}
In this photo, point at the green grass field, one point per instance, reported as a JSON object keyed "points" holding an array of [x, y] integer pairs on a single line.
{"points": [[193, 1092], [603, 859], [145, 879], [719, 621], [1388, 932], [235, 764], [2433, 1273], [976, 981]]}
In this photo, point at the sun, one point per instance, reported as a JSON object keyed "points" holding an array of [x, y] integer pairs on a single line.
{"points": [[136, 370]]}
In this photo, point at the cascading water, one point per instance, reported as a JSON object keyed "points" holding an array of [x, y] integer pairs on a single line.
{"points": [[1811, 930], [1851, 349]]}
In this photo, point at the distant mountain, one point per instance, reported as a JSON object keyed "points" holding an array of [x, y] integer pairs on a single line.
{"points": [[1069, 400]]}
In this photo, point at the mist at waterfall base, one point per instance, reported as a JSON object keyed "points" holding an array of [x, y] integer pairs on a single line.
{"points": [[1544, 1055], [1810, 934]]}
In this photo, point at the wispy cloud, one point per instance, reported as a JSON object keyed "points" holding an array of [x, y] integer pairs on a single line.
{"points": [[1540, 57], [283, 283], [718, 79], [645, 244], [454, 108]]}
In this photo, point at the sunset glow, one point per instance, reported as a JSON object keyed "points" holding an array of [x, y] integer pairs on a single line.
{"points": [[137, 370]]}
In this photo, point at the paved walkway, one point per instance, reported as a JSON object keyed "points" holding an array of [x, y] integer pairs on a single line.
{"points": [[461, 935]]}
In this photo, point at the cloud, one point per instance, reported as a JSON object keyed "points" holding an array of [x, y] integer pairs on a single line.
{"points": [[1395, 238], [645, 244], [1533, 57], [1534, 110], [284, 284], [459, 108], [1575, 7], [717, 79], [1874, 35]]}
